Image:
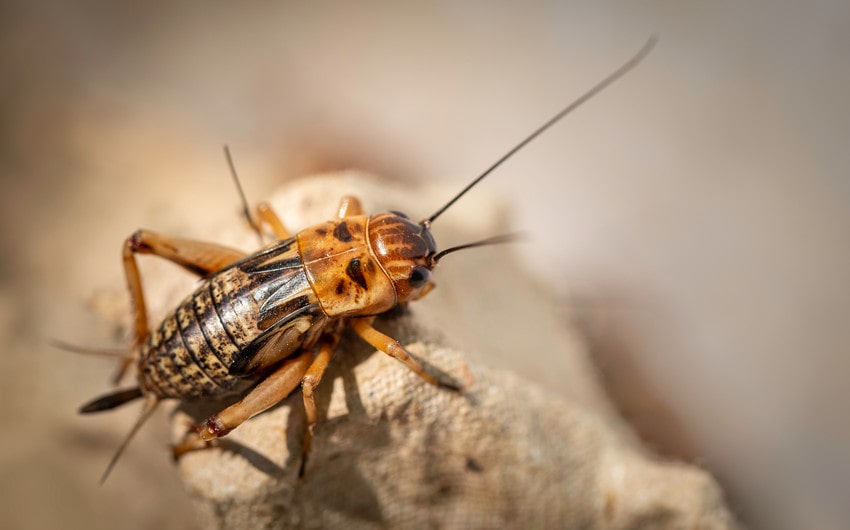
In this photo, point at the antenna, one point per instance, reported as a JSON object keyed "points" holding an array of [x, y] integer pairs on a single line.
{"points": [[246, 211], [496, 240], [615, 75]]}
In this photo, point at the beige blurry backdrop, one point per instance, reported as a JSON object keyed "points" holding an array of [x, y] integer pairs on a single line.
{"points": [[694, 218]]}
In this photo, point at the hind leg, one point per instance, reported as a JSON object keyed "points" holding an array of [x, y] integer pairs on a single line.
{"points": [[195, 256]]}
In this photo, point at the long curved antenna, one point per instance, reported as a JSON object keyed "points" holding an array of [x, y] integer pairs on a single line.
{"points": [[616, 74], [246, 210], [495, 240]]}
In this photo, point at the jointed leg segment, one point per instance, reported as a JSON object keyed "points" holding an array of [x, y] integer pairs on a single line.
{"points": [[349, 205], [308, 384], [390, 346], [312, 379], [268, 393], [195, 256], [267, 215]]}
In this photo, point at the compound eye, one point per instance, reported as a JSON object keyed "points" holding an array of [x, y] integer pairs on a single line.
{"points": [[419, 276], [400, 214]]}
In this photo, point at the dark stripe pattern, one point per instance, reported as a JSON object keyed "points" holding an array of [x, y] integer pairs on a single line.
{"points": [[191, 352]]}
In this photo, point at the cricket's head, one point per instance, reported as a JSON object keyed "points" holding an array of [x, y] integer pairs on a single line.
{"points": [[405, 251]]}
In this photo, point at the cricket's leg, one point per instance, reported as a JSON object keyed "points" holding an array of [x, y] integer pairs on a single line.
{"points": [[390, 346], [197, 257]]}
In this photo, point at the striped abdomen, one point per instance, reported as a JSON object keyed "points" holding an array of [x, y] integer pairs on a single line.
{"points": [[232, 313]]}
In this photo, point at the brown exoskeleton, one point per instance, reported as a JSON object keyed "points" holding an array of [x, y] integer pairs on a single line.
{"points": [[261, 324]]}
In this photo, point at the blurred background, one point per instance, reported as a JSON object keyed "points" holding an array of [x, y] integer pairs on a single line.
{"points": [[692, 221]]}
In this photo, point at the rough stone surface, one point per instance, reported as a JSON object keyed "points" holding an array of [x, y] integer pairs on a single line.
{"points": [[395, 452], [511, 451]]}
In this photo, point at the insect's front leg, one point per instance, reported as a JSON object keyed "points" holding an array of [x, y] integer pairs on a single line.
{"points": [[393, 348]]}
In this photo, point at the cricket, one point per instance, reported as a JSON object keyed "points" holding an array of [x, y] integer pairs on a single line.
{"points": [[260, 325]]}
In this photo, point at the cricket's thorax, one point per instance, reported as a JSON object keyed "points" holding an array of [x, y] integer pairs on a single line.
{"points": [[364, 265], [344, 274]]}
